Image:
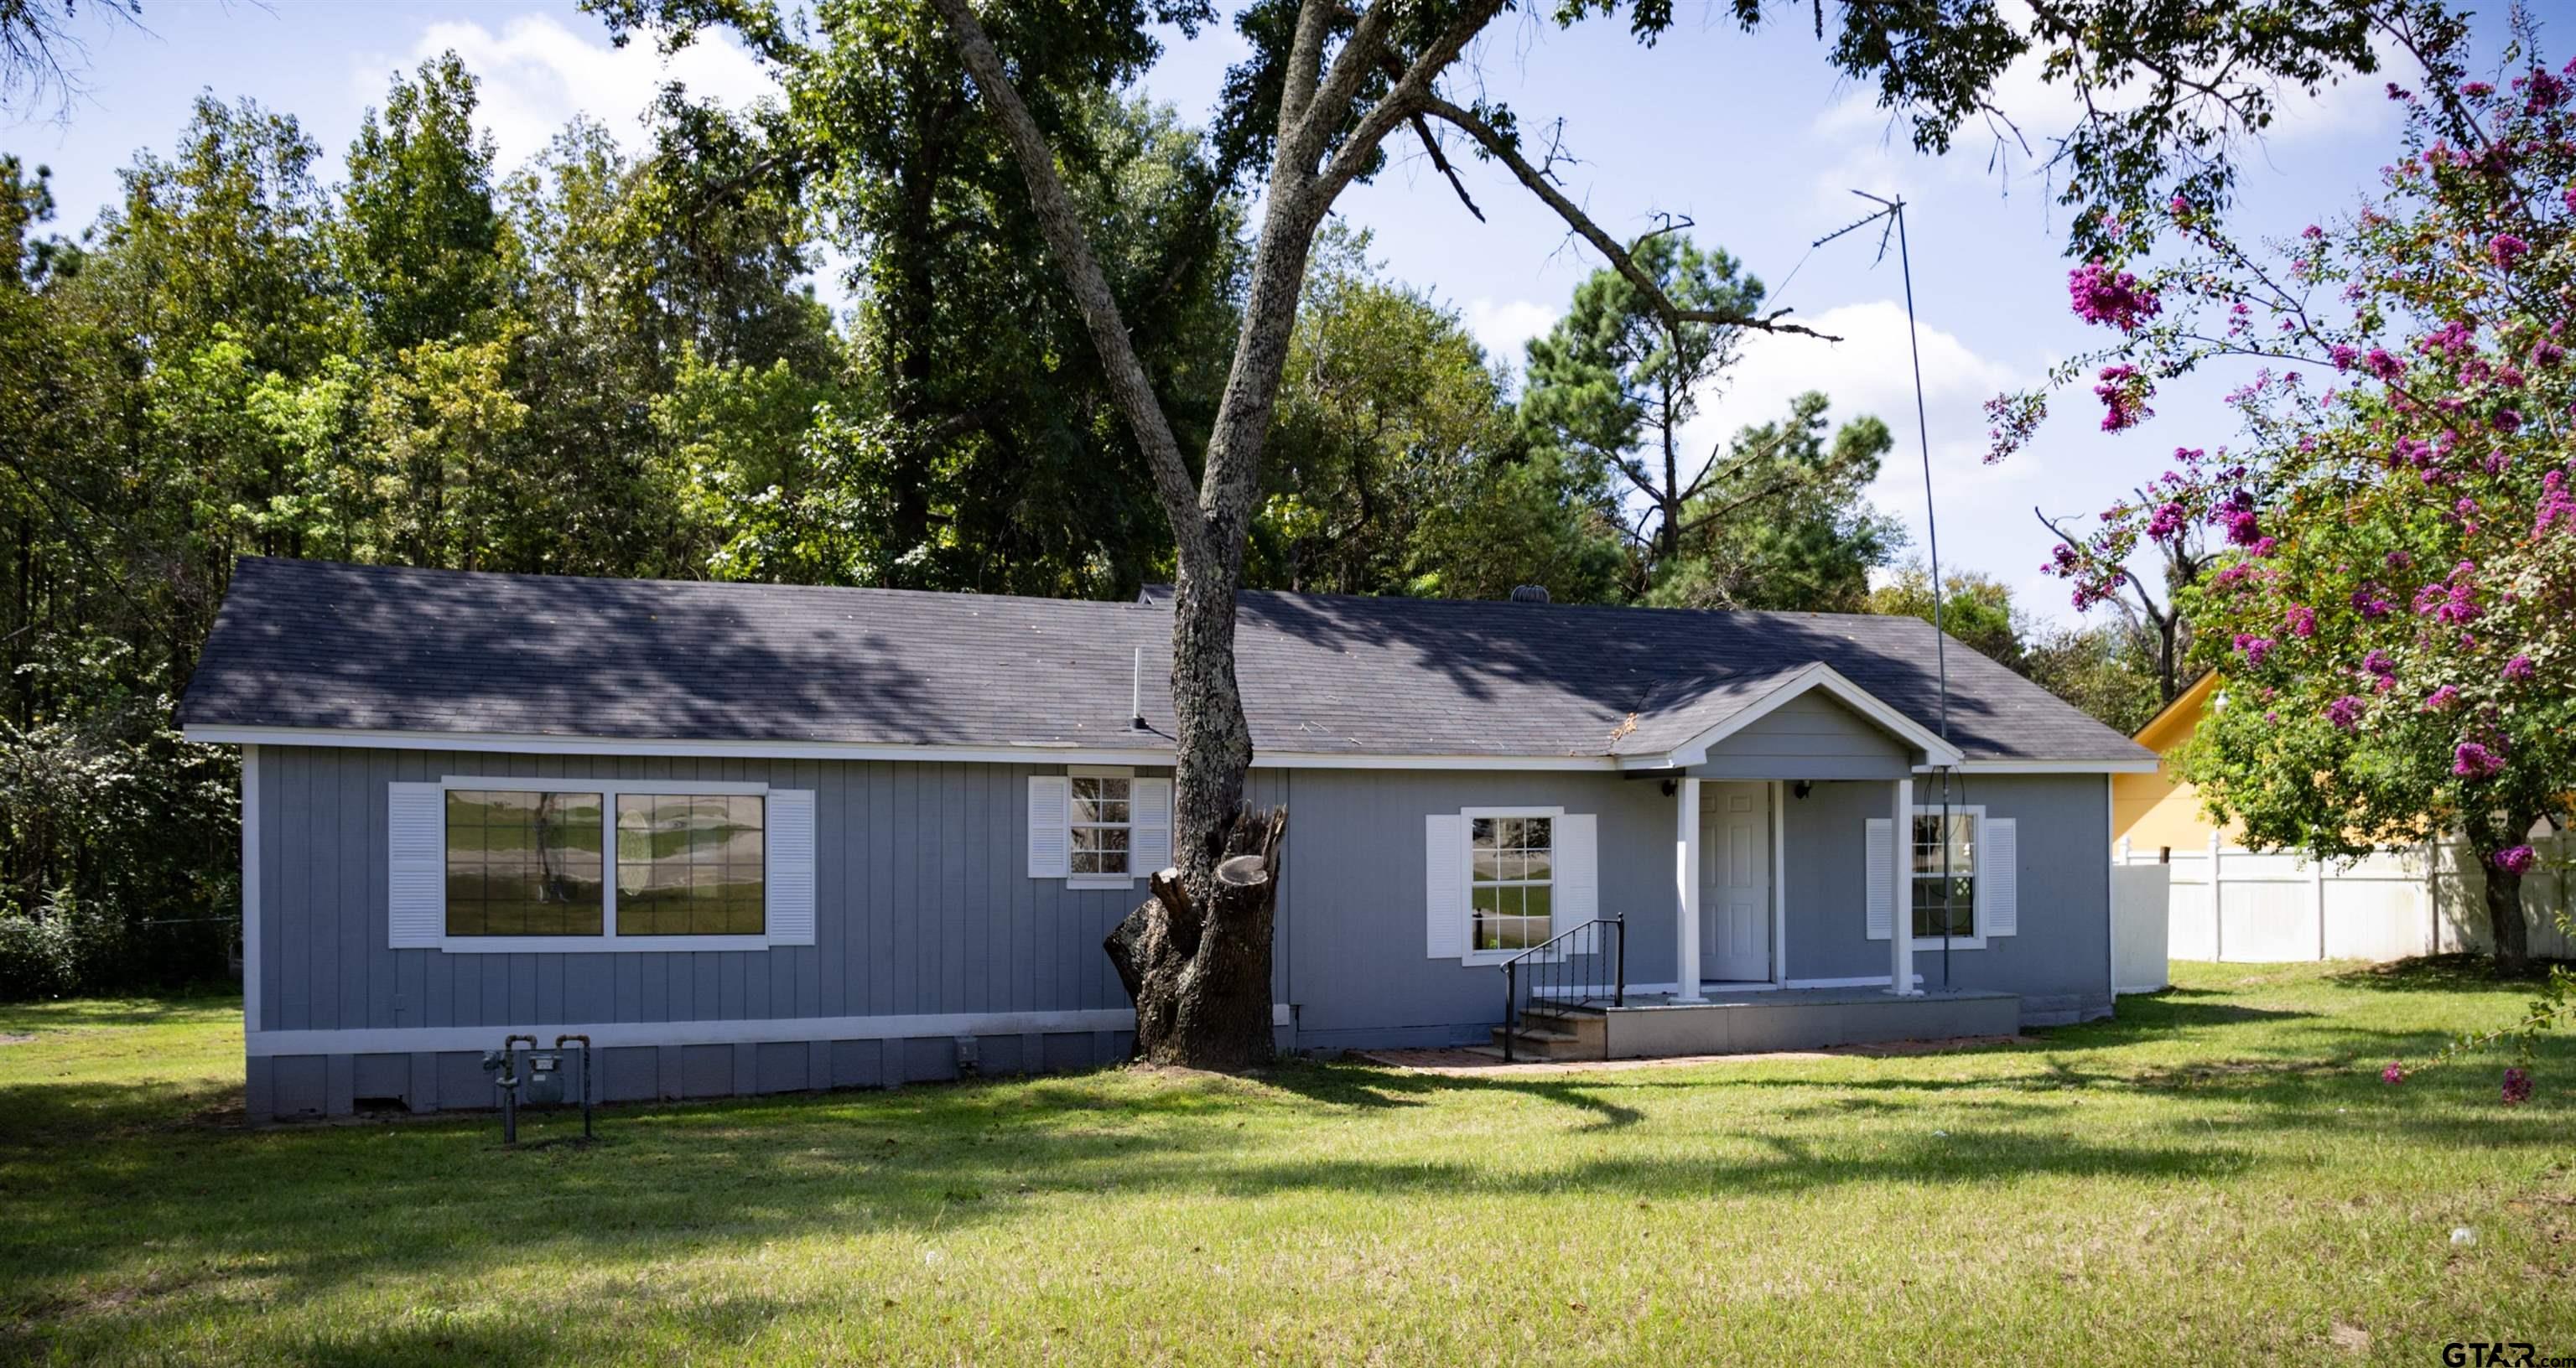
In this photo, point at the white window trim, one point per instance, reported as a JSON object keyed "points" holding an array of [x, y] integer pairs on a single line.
{"points": [[608, 940], [1126, 880], [1977, 813], [1474, 955]]}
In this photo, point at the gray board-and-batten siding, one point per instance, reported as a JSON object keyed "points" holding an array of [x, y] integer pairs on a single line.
{"points": [[925, 917], [927, 927]]}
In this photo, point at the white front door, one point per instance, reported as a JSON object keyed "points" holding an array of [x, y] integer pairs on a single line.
{"points": [[1735, 882]]}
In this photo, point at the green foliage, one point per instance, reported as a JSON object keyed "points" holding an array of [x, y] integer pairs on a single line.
{"points": [[1976, 609], [1788, 524], [2107, 669], [425, 251], [1387, 419]]}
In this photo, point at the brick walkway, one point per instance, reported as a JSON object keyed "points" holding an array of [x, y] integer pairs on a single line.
{"points": [[1467, 1061]]}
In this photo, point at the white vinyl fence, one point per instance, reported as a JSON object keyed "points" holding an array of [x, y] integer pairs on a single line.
{"points": [[2228, 904]]}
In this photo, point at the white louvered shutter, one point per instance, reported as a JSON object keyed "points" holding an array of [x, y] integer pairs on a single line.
{"points": [[1149, 845], [791, 866], [1999, 878], [1444, 885], [1049, 796], [1880, 869], [1578, 879], [416, 851]]}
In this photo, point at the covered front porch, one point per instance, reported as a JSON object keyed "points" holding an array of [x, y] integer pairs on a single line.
{"points": [[1777, 942]]}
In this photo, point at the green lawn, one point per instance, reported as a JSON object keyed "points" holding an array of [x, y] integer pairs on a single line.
{"points": [[2218, 1176]]}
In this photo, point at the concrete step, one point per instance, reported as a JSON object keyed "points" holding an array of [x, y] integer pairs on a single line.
{"points": [[1545, 1045]]}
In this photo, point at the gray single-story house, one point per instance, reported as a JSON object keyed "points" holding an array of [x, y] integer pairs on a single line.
{"points": [[752, 838]]}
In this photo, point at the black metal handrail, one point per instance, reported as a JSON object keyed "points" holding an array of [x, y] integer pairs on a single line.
{"points": [[1571, 969]]}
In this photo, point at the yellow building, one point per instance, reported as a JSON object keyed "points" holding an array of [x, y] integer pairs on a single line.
{"points": [[2159, 809]]}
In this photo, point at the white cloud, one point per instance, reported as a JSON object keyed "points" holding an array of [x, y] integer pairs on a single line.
{"points": [[1869, 371], [1503, 327], [536, 75]]}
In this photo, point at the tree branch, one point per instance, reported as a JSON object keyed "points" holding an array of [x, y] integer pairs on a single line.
{"points": [[1302, 144], [1440, 162], [1411, 94], [1072, 247], [1305, 64], [1501, 149]]}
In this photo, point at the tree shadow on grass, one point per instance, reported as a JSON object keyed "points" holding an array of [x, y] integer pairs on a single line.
{"points": [[1369, 1087], [2456, 973]]}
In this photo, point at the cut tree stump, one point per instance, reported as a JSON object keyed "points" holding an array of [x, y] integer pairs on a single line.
{"points": [[1200, 977]]}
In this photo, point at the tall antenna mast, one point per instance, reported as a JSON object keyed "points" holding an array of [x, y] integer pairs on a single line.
{"points": [[1893, 210]]}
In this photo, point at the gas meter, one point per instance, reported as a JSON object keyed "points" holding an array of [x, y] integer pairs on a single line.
{"points": [[536, 1077]]}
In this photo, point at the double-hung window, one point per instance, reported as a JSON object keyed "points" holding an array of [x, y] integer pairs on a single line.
{"points": [[1101, 819], [1511, 881], [1099, 826], [1945, 880]]}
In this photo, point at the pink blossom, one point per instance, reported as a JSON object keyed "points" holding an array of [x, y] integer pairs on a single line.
{"points": [[2505, 249], [2123, 391], [2378, 362], [2167, 520], [2477, 90], [2397, 560], [2470, 760], [2557, 505], [2517, 1087], [2344, 354], [2518, 669], [2243, 527], [2395, 1073], [2102, 295], [2515, 859], [2506, 420], [2441, 699], [2302, 620], [2254, 648], [2371, 602], [2345, 712]]}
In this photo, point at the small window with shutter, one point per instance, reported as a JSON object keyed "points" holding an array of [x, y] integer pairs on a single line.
{"points": [[1098, 827], [1500, 881], [1962, 865]]}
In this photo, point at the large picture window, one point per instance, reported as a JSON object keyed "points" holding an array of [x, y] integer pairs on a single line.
{"points": [[690, 864], [492, 864], [1511, 889], [1945, 902], [523, 863]]}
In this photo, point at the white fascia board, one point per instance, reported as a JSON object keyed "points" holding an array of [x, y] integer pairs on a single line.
{"points": [[2147, 765], [1817, 676], [1038, 753]]}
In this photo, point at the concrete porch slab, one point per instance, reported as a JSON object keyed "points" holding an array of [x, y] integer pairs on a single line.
{"points": [[1741, 1022]]}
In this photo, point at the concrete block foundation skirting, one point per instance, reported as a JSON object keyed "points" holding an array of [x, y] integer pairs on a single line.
{"points": [[292, 1087]]}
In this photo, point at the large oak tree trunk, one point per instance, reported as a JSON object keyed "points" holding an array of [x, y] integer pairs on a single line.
{"points": [[1199, 969]]}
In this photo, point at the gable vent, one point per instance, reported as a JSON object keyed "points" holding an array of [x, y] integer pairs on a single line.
{"points": [[1529, 593]]}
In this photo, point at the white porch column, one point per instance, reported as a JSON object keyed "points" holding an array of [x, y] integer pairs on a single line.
{"points": [[1686, 892], [1900, 927]]}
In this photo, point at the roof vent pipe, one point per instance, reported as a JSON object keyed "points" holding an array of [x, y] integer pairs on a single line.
{"points": [[1136, 694], [1529, 593]]}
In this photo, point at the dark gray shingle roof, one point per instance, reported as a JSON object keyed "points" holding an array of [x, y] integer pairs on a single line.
{"points": [[313, 644]]}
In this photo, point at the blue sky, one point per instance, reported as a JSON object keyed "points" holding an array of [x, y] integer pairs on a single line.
{"points": [[1751, 137]]}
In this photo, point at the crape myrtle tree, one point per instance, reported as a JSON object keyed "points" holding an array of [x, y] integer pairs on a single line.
{"points": [[1332, 90], [2395, 611]]}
